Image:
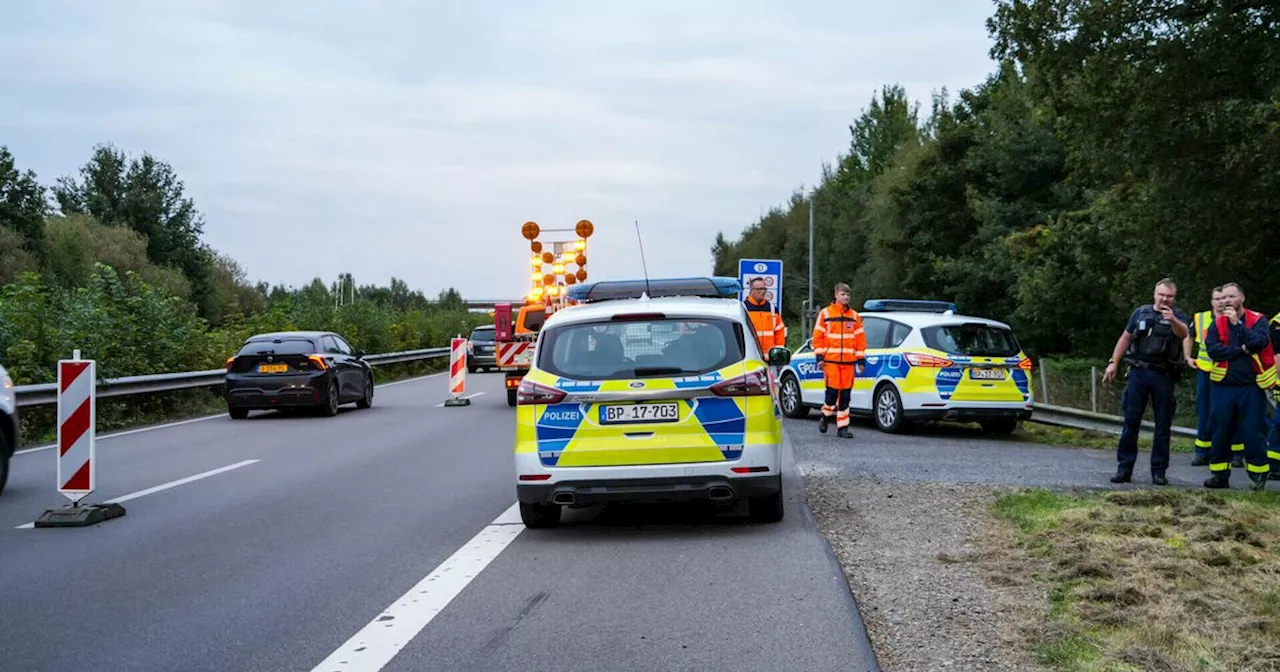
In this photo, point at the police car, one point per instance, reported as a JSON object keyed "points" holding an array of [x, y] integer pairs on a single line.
{"points": [[924, 362], [649, 390]]}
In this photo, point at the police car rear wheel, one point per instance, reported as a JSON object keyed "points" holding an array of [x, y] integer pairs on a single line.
{"points": [[792, 403], [1000, 426], [767, 509], [888, 409], [539, 515]]}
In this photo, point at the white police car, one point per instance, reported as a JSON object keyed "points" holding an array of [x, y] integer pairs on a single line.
{"points": [[649, 391], [924, 362]]}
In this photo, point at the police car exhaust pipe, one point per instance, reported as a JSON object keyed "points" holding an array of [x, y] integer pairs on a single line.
{"points": [[720, 492], [562, 498]]}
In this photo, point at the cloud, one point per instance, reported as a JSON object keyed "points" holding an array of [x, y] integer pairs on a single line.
{"points": [[407, 139]]}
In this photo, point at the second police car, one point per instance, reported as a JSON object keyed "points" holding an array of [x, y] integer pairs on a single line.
{"points": [[924, 362], [649, 391]]}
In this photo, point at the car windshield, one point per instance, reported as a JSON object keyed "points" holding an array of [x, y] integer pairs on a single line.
{"points": [[641, 348], [971, 340], [482, 335], [292, 346]]}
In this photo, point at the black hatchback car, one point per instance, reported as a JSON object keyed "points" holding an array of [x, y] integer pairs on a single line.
{"points": [[297, 369]]}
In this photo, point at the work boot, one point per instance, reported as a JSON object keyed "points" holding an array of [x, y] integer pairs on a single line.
{"points": [[1237, 462], [1122, 476], [1158, 478], [1219, 479], [844, 433], [1257, 482], [1200, 462], [822, 423]]}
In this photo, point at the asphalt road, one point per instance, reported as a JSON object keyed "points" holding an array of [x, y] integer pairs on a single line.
{"points": [[387, 539], [955, 453]]}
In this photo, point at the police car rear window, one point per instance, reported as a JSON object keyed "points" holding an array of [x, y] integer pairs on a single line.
{"points": [[641, 348], [971, 340]]}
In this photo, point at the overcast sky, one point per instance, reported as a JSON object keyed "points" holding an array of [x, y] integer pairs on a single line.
{"points": [[381, 138]]}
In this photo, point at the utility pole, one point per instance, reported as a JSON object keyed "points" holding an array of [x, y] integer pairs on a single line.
{"points": [[809, 304]]}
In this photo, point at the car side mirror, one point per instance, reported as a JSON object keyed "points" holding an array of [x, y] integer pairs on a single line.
{"points": [[359, 353], [779, 356]]}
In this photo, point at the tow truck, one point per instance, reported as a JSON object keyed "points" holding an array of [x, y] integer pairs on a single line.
{"points": [[515, 330]]}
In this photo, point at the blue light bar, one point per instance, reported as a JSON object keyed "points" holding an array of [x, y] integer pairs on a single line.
{"points": [[908, 306], [715, 287]]}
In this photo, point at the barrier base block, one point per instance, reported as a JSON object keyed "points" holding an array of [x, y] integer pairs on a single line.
{"points": [[457, 401], [79, 516]]}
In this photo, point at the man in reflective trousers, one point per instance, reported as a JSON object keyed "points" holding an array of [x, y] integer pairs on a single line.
{"points": [[841, 347], [1244, 370], [1203, 365]]}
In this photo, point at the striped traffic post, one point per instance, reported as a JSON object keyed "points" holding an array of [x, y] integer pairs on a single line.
{"points": [[457, 372], [77, 458]]}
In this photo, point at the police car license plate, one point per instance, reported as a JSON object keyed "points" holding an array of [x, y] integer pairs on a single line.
{"points": [[986, 374], [626, 413]]}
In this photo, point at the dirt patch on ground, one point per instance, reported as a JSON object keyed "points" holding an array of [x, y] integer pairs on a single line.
{"points": [[913, 556]]}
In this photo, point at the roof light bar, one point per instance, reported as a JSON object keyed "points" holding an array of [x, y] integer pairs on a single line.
{"points": [[909, 306], [716, 287]]}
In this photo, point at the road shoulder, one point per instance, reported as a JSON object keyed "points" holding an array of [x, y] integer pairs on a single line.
{"points": [[912, 557]]}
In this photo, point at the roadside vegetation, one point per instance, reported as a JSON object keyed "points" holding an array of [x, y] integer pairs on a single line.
{"points": [[1145, 580], [111, 263], [1108, 144]]}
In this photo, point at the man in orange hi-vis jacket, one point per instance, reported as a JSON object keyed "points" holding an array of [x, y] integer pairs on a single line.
{"points": [[770, 331], [841, 347]]}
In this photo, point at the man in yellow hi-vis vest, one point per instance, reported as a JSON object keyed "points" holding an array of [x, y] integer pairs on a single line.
{"points": [[1203, 364]]}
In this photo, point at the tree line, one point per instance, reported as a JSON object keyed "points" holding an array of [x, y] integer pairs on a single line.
{"points": [[1114, 144], [111, 262]]}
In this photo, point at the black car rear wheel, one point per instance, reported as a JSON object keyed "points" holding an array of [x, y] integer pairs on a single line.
{"points": [[367, 400], [238, 413], [4, 461], [330, 407]]}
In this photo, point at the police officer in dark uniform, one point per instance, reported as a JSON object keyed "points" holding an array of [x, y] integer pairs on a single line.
{"points": [[1152, 346]]}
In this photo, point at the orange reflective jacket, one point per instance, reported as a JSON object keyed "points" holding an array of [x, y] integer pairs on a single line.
{"points": [[770, 331], [838, 336]]}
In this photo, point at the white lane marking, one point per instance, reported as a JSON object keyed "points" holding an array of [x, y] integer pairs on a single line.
{"points": [[370, 649], [127, 432], [465, 396], [165, 486]]}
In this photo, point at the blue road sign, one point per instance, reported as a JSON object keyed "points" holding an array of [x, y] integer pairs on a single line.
{"points": [[770, 270]]}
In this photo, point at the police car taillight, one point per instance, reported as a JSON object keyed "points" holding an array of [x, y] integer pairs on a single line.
{"points": [[917, 359], [754, 384], [532, 393]]}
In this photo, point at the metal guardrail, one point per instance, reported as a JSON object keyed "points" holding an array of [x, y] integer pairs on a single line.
{"points": [[1065, 416], [43, 394]]}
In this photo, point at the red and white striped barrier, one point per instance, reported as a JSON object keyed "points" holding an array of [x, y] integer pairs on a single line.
{"points": [[77, 422], [77, 457], [457, 372], [514, 353]]}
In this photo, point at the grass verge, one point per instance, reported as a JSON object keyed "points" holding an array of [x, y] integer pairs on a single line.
{"points": [[1083, 438], [1147, 579], [140, 410]]}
